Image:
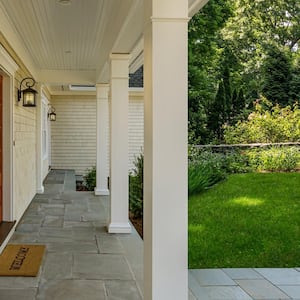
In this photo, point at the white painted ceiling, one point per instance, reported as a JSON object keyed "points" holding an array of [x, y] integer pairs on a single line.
{"points": [[69, 41]]}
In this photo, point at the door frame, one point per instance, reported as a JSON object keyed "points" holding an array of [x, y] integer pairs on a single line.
{"points": [[7, 68]]}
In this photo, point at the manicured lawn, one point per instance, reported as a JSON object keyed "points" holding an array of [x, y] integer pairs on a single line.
{"points": [[249, 220]]}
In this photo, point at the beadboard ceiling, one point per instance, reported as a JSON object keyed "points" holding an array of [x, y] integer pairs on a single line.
{"points": [[69, 41]]}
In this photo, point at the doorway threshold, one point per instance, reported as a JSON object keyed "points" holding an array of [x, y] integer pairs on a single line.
{"points": [[6, 230]]}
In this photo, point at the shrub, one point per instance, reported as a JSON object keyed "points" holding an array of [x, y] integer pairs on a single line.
{"points": [[237, 161], [205, 169], [89, 179], [271, 125], [136, 187], [274, 159]]}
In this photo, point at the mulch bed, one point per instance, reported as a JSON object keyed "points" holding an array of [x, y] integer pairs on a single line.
{"points": [[137, 223]]}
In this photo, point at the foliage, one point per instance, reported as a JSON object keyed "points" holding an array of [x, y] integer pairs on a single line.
{"points": [[205, 169], [89, 179], [136, 187], [274, 159], [277, 74], [238, 50], [266, 125], [204, 55], [257, 27], [249, 220]]}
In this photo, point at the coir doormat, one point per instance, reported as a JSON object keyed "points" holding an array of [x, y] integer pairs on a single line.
{"points": [[21, 260]]}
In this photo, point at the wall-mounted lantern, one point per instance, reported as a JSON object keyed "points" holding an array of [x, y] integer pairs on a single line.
{"points": [[28, 93], [51, 113]]}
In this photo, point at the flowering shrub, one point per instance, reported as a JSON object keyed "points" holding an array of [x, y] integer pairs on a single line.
{"points": [[271, 125]]}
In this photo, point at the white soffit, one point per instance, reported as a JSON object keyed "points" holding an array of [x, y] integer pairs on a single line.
{"points": [[69, 41], [75, 35]]}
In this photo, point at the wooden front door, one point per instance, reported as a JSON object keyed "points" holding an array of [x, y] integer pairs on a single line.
{"points": [[1, 147]]}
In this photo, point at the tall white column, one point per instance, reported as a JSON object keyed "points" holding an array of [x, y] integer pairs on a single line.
{"points": [[102, 140], [39, 141], [119, 222], [165, 179]]}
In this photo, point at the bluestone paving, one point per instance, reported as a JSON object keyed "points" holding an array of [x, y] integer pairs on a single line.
{"points": [[101, 266], [292, 291], [83, 261], [109, 244], [58, 266], [242, 273], [125, 290], [212, 277], [223, 293], [281, 276], [17, 294], [261, 289], [72, 290]]}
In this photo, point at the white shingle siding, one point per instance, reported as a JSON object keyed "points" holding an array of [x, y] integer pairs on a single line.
{"points": [[73, 134]]}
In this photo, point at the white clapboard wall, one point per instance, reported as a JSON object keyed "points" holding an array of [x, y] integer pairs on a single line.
{"points": [[73, 134]]}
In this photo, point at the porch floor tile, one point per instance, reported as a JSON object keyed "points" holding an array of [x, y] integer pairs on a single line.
{"points": [[83, 261]]}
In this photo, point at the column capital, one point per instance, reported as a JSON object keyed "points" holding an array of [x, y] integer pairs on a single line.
{"points": [[120, 56], [102, 90], [119, 66], [161, 9], [102, 85]]}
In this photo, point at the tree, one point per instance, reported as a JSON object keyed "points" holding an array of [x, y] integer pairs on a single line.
{"points": [[276, 74], [255, 26], [204, 56]]}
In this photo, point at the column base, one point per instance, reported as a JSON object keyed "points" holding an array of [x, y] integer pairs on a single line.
{"points": [[119, 228], [40, 190], [101, 192]]}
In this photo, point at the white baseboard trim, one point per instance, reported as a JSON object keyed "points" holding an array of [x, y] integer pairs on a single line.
{"points": [[101, 192], [119, 228]]}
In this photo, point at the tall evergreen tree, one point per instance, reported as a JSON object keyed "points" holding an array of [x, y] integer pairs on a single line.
{"points": [[276, 71]]}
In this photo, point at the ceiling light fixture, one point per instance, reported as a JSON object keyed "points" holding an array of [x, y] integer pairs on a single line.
{"points": [[64, 2]]}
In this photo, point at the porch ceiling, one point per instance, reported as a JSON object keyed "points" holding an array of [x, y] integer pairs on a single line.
{"points": [[69, 41]]}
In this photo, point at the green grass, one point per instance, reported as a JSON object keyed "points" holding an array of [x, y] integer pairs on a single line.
{"points": [[250, 220]]}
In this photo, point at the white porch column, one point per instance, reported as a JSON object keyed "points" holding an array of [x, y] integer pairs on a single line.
{"points": [[119, 144], [165, 179], [102, 140], [39, 141]]}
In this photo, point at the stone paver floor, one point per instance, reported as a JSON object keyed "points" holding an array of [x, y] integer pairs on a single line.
{"points": [[84, 262]]}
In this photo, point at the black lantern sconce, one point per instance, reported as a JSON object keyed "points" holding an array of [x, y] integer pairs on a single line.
{"points": [[29, 93], [51, 113]]}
